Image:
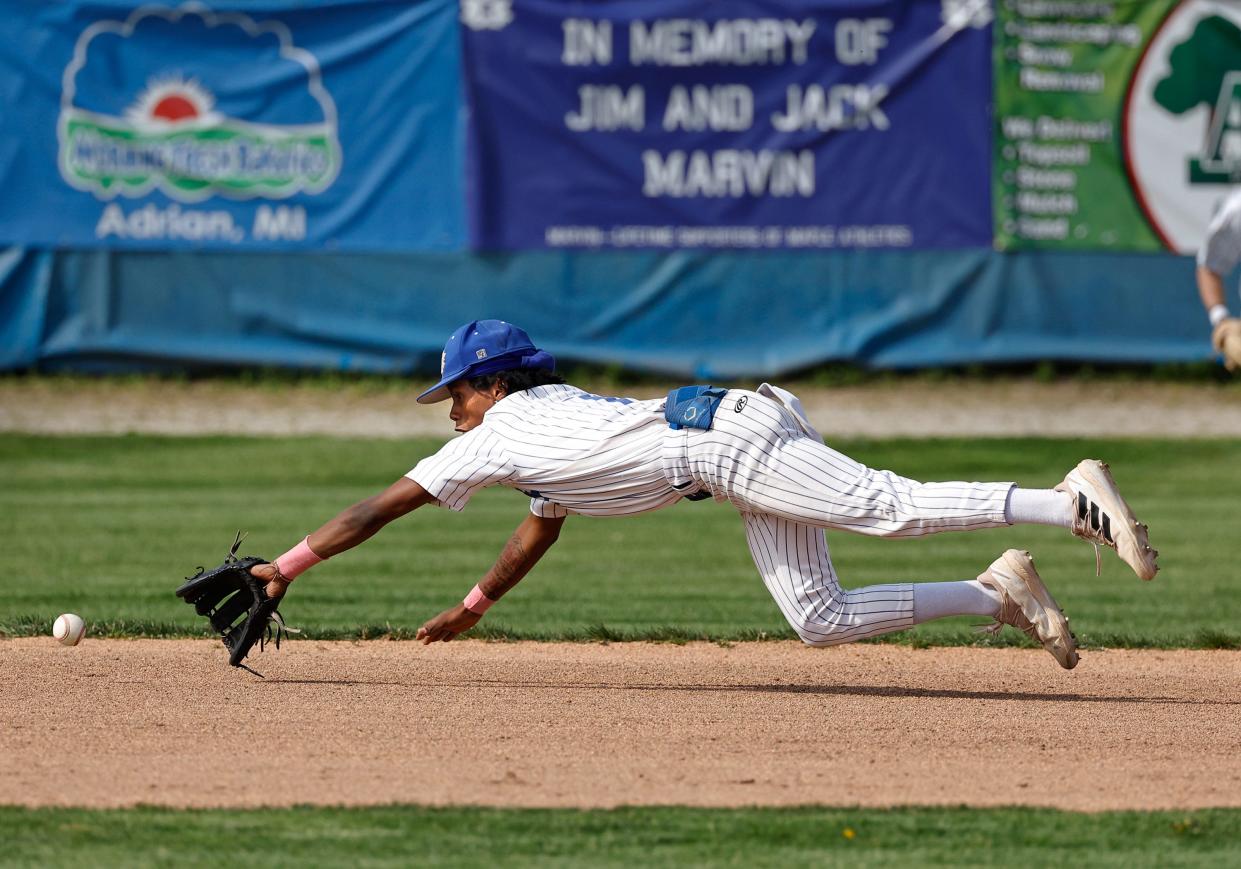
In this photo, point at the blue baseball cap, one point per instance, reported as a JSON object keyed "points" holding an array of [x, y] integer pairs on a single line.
{"points": [[485, 347]]}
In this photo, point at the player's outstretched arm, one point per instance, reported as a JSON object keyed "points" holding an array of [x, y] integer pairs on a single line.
{"points": [[352, 526], [533, 537], [360, 522]]}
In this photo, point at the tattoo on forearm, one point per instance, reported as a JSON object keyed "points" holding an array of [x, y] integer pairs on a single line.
{"points": [[509, 568]]}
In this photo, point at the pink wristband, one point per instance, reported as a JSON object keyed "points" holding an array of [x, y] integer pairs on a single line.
{"points": [[477, 602], [297, 560]]}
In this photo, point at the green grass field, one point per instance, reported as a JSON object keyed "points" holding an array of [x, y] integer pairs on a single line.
{"points": [[408, 836], [109, 526]]}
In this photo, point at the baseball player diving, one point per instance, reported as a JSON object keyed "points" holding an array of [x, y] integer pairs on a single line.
{"points": [[574, 453], [1219, 255]]}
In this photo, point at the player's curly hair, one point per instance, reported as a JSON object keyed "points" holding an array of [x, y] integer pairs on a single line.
{"points": [[516, 379]]}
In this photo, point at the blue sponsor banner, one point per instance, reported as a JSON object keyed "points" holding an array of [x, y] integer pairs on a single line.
{"points": [[728, 123], [278, 125]]}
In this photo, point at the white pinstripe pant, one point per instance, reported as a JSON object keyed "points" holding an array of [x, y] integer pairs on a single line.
{"points": [[790, 486]]}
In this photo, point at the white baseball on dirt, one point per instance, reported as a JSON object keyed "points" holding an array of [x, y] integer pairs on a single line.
{"points": [[69, 629]]}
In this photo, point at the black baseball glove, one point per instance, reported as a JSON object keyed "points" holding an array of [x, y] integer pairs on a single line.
{"points": [[236, 604]]}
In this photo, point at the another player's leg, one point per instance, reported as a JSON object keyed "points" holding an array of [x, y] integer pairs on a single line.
{"points": [[797, 570]]}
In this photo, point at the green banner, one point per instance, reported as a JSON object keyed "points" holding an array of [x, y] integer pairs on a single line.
{"points": [[1118, 124]]}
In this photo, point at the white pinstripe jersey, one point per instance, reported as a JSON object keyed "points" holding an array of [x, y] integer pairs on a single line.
{"points": [[571, 451], [601, 456], [1221, 250]]}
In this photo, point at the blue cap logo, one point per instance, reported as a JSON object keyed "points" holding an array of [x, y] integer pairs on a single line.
{"points": [[485, 347]]}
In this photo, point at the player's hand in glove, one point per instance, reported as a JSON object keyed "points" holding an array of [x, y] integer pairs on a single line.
{"points": [[238, 602], [1226, 338], [447, 625], [277, 585]]}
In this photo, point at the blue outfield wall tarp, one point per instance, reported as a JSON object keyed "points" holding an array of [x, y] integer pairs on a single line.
{"points": [[701, 188], [695, 315]]}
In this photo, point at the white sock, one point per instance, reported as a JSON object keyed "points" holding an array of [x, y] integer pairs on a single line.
{"points": [[937, 600], [1039, 507]]}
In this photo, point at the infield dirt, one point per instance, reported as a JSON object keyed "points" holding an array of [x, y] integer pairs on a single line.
{"points": [[167, 722]]}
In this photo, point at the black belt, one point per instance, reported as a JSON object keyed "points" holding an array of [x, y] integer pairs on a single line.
{"points": [[696, 495]]}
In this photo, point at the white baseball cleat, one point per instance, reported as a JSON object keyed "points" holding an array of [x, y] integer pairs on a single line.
{"points": [[1101, 516], [1028, 606]]}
